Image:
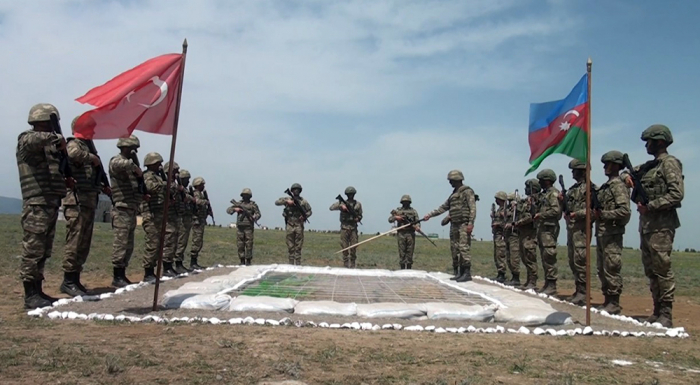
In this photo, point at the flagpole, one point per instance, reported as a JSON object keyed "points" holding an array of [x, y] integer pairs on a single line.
{"points": [[589, 64], [163, 224]]}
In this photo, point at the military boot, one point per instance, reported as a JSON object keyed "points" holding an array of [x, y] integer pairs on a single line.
{"points": [[550, 288], [43, 295], [501, 277], [457, 272], [408, 266], [579, 296], [242, 261], [402, 266], [530, 284], [655, 316], [187, 269], [194, 265], [32, 299], [352, 263], [168, 270], [79, 284], [178, 268], [665, 314], [149, 275], [466, 274], [119, 277], [514, 281], [69, 285], [248, 261], [605, 302], [613, 306]]}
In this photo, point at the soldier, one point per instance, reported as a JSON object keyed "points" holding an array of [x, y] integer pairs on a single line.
{"points": [[547, 219], [185, 213], [152, 215], [498, 215], [126, 178], [202, 211], [610, 219], [79, 211], [349, 217], [462, 211], [510, 233], [43, 187], [576, 229], [294, 218], [662, 179], [527, 230], [406, 237], [174, 211], [248, 215]]}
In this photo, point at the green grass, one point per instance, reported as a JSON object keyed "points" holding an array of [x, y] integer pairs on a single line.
{"points": [[279, 286], [319, 249]]}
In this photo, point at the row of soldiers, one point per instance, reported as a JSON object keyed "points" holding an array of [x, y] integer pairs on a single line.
{"points": [[56, 172], [520, 226]]}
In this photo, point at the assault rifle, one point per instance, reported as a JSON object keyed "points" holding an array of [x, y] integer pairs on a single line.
{"points": [[210, 212], [63, 166], [245, 212], [639, 194], [405, 221], [565, 202], [100, 176], [297, 204], [493, 211], [351, 208], [595, 202], [139, 179]]}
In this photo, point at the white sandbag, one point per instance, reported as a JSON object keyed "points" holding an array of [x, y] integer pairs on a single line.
{"points": [[207, 302], [173, 298], [325, 308], [544, 315], [262, 303], [455, 311], [226, 280], [202, 287], [390, 310]]}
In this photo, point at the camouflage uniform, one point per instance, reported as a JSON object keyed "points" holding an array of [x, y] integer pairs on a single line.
{"points": [[510, 233], [295, 226], [152, 215], [498, 223], [576, 229], [614, 214], [244, 226], [185, 213], [348, 228], [548, 230], [202, 211], [173, 225], [42, 187], [527, 231], [405, 237]]}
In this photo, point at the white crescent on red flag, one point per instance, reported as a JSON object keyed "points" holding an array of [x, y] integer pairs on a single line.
{"points": [[142, 98]]}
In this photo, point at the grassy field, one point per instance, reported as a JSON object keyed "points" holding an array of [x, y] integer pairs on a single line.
{"points": [[44, 351]]}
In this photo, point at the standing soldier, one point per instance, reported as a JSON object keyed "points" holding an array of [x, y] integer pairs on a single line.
{"points": [[126, 178], [527, 230], [152, 215], [174, 209], [294, 217], [512, 242], [79, 211], [576, 229], [185, 212], [461, 205], [662, 179], [406, 237], [349, 217], [248, 215], [43, 187], [498, 221], [611, 218], [547, 219], [202, 211]]}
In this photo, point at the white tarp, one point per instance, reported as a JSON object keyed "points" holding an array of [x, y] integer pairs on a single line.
{"points": [[455, 311], [207, 302], [390, 310], [262, 303], [325, 308]]}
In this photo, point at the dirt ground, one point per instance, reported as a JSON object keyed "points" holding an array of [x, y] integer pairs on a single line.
{"points": [[78, 352]]}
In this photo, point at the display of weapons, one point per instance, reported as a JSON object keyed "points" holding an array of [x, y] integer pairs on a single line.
{"points": [[351, 208], [565, 202], [210, 212], [245, 212], [297, 204], [101, 177], [63, 166], [639, 194], [393, 212]]}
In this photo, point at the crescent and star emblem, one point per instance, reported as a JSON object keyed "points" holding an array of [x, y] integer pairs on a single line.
{"points": [[163, 92], [565, 126]]}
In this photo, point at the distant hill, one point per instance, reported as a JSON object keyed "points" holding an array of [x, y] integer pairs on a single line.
{"points": [[10, 205]]}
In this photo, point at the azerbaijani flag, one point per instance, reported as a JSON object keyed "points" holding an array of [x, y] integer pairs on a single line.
{"points": [[560, 127]]}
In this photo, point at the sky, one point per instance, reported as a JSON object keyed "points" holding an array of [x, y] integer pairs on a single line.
{"points": [[386, 96]]}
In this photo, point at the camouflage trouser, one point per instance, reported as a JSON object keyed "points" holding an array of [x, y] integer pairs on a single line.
{"points": [[528, 246], [244, 240], [547, 240], [79, 224], [39, 225], [499, 253], [460, 245], [151, 226], [183, 237], [407, 243], [576, 245], [513, 252], [656, 257], [123, 227], [198, 226], [609, 255], [348, 237], [295, 240], [170, 246]]}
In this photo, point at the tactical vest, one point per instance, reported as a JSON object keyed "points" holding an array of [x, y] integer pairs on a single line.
{"points": [[653, 180], [525, 210], [498, 221], [291, 214], [410, 215], [348, 219], [84, 174], [157, 202], [459, 205], [39, 174], [242, 220], [201, 205], [124, 187], [576, 197], [606, 197], [186, 209]]}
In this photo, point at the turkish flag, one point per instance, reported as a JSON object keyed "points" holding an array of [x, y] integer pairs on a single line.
{"points": [[142, 98]]}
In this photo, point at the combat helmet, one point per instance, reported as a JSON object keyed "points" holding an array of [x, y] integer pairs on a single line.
{"points": [[612, 157], [658, 132], [405, 198], [42, 113], [350, 190], [295, 186], [547, 174], [185, 174], [167, 164], [576, 164], [247, 191], [131, 141], [197, 181], [502, 195], [534, 185], [152, 158], [511, 196], [455, 175]]}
